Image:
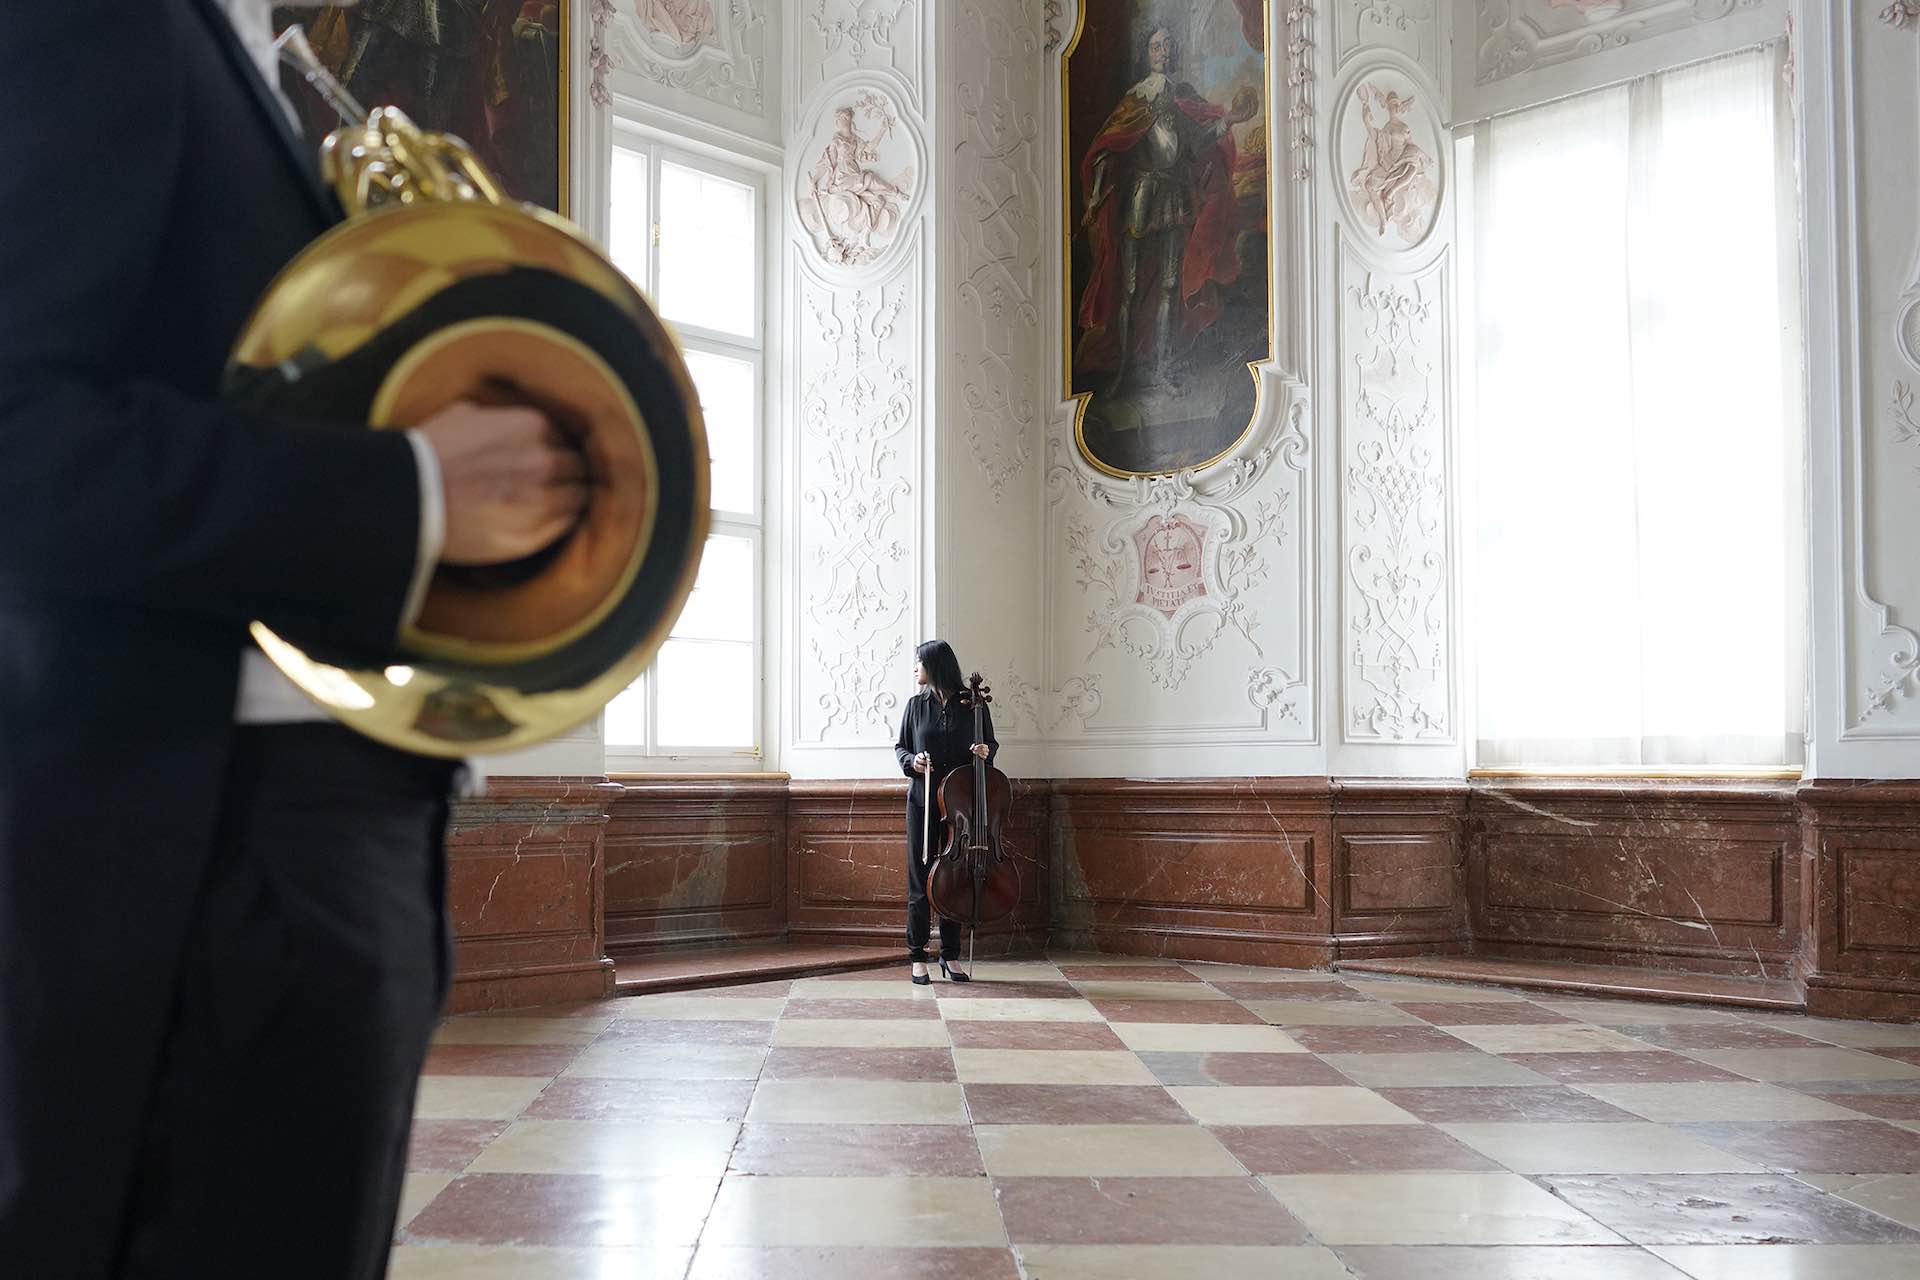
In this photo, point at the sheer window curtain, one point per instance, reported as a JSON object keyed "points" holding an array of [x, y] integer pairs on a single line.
{"points": [[1638, 527]]}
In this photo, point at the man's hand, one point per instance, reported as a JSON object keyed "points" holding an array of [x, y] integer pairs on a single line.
{"points": [[514, 484]]}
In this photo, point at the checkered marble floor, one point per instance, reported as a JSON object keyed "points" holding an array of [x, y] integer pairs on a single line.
{"points": [[1104, 1116]]}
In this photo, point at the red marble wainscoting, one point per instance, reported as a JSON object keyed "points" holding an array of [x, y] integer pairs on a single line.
{"points": [[1862, 844], [524, 890], [1697, 876], [696, 862], [1817, 883], [1276, 871], [846, 868]]}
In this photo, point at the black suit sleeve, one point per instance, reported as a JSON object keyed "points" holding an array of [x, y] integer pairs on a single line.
{"points": [[129, 491], [986, 726]]}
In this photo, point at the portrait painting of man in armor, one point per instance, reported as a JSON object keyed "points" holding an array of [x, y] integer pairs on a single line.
{"points": [[1167, 217], [487, 71]]}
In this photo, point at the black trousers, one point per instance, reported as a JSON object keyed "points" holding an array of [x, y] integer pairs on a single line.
{"points": [[919, 911], [316, 970]]}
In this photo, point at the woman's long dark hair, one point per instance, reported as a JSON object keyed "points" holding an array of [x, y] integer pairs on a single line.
{"points": [[943, 669]]}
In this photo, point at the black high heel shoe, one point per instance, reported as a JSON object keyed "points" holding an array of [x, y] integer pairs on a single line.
{"points": [[920, 979], [950, 975]]}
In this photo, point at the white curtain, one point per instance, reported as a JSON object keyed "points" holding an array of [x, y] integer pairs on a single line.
{"points": [[1635, 439]]}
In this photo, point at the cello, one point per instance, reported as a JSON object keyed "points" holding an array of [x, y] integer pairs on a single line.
{"points": [[974, 879]]}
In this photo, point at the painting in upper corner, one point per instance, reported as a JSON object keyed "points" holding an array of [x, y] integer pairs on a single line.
{"points": [[490, 72], [1168, 307]]}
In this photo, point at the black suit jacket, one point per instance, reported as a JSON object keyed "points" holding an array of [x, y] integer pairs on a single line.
{"points": [[149, 191]]}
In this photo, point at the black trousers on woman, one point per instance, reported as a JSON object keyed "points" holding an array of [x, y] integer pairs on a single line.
{"points": [[919, 910]]}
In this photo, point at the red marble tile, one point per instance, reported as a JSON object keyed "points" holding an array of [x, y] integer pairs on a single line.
{"points": [[1012, 989], [1182, 1011], [1512, 1013], [858, 1064], [1718, 1035], [1722, 1208], [1348, 1148], [449, 1144], [1073, 1104], [1522, 1104], [723, 1263], [565, 1009], [687, 1031], [856, 1150], [746, 990], [1125, 973], [1899, 1055], [1888, 1106], [877, 1009], [976, 1033], [1817, 1146], [1378, 1040], [1318, 991], [1201, 1069], [564, 1209], [499, 1059], [1093, 1211], [1652, 1067], [576, 1098]]}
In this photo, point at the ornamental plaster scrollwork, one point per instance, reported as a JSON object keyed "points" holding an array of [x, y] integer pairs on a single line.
{"points": [[1898, 680], [1895, 685], [600, 62], [1398, 687], [1077, 698], [859, 36], [1272, 693], [1300, 88], [1405, 25], [1517, 36], [859, 400], [996, 240], [714, 50], [1230, 561], [858, 186]]}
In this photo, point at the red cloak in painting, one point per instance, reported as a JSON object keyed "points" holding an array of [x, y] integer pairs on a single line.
{"points": [[1210, 260]]}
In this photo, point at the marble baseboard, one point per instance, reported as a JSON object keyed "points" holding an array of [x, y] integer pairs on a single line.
{"points": [[525, 893], [693, 863], [1819, 883]]}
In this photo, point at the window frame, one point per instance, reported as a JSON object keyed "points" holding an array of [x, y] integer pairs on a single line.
{"points": [[661, 147], [1466, 158]]}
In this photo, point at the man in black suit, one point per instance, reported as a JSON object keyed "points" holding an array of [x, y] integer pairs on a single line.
{"points": [[222, 938]]}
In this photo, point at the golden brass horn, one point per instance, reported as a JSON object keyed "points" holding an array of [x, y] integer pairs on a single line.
{"points": [[437, 288]]}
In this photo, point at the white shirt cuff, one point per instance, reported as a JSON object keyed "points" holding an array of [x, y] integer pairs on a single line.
{"points": [[433, 525]]}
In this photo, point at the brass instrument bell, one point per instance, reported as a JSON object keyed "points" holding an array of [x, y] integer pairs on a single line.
{"points": [[436, 288]]}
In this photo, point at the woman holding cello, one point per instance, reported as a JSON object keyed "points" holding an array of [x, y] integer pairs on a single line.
{"points": [[936, 737]]}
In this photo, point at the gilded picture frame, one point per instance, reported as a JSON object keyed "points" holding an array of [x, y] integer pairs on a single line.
{"points": [[1167, 304]]}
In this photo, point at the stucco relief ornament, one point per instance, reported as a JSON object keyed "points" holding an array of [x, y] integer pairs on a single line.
{"points": [[1393, 185], [601, 61], [1170, 557], [1591, 10], [678, 27], [851, 207], [1901, 13]]}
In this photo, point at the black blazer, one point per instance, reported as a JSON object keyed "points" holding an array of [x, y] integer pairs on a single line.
{"points": [[943, 731], [150, 189]]}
